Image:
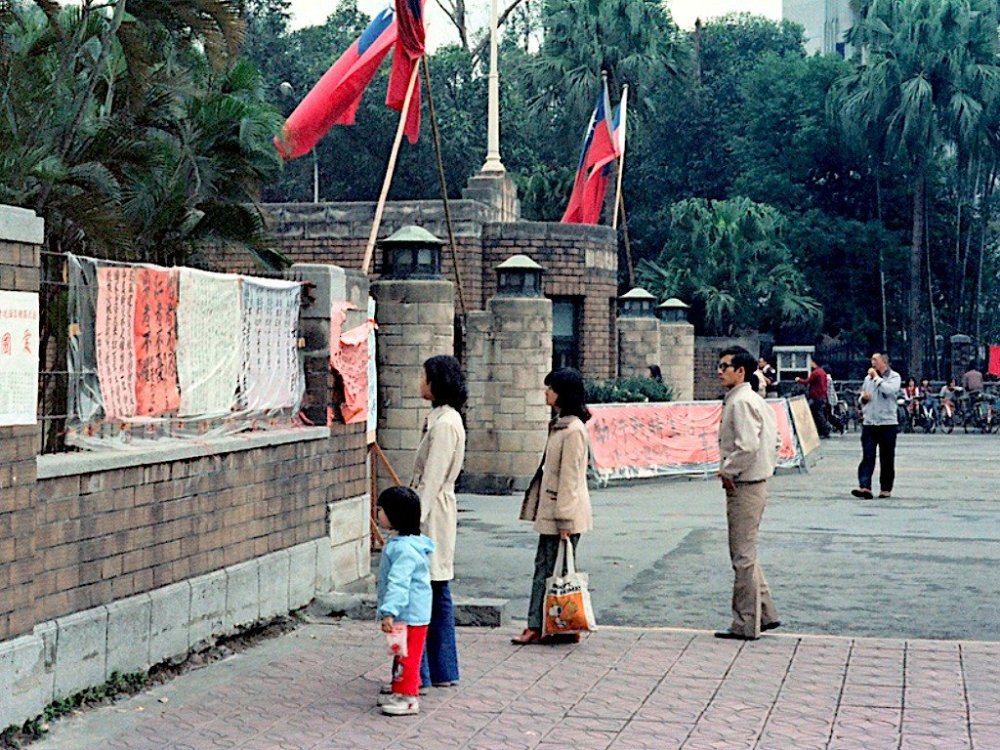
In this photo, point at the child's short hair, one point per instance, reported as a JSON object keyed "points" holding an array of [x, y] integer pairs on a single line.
{"points": [[402, 508]]}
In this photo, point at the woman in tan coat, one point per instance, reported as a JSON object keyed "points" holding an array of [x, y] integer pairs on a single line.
{"points": [[435, 470], [558, 500]]}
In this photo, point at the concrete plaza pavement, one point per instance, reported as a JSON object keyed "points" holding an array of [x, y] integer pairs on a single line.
{"points": [[621, 689], [922, 564], [914, 569]]}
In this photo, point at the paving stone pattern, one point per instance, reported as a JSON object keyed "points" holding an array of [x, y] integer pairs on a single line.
{"points": [[621, 688]]}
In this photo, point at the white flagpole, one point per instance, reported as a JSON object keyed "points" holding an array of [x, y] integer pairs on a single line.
{"points": [[623, 109], [390, 169]]}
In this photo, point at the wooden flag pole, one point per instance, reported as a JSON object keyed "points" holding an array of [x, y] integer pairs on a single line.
{"points": [[390, 169]]}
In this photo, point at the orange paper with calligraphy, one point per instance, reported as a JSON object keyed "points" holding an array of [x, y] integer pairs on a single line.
{"points": [[156, 390], [349, 357], [646, 440]]}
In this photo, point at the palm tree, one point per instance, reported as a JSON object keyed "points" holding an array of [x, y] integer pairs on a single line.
{"points": [[927, 76], [728, 260]]}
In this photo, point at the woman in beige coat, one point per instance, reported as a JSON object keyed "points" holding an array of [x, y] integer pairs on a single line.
{"points": [[435, 470], [558, 500]]}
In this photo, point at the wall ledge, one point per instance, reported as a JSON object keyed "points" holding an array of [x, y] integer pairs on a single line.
{"points": [[21, 225], [57, 465]]}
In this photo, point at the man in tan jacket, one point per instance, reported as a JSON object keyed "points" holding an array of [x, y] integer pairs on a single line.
{"points": [[748, 450]]}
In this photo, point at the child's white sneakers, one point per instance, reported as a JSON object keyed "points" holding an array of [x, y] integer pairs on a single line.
{"points": [[398, 704]]}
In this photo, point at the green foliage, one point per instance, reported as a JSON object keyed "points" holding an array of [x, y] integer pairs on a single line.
{"points": [[627, 390], [135, 135], [728, 259]]}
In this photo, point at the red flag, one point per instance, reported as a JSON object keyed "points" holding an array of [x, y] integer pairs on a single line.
{"points": [[409, 50], [335, 98], [599, 150]]}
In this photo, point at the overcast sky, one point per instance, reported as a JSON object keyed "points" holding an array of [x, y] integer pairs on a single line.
{"points": [[312, 12]]}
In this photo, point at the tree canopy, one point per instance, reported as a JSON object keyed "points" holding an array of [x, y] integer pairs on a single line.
{"points": [[801, 195]]}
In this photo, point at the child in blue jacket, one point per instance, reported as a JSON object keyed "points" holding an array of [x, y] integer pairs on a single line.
{"points": [[404, 595]]}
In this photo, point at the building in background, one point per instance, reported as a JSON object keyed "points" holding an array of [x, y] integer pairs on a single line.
{"points": [[825, 21]]}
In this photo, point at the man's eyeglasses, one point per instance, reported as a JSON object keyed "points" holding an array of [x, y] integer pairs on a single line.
{"points": [[724, 365]]}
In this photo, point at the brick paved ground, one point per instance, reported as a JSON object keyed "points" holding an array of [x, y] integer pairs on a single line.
{"points": [[627, 689]]}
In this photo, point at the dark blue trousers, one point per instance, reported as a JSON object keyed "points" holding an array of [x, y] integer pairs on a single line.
{"points": [[440, 663]]}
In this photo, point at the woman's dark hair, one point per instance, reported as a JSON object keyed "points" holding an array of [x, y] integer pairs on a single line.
{"points": [[656, 373], [571, 399], [444, 376], [402, 508]]}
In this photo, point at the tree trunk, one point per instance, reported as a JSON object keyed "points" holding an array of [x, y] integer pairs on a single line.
{"points": [[916, 329]]}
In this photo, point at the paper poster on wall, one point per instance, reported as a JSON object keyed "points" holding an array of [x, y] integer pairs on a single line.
{"points": [[269, 378], [18, 358], [208, 342], [156, 390], [115, 342]]}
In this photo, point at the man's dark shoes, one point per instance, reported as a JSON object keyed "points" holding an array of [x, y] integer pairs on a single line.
{"points": [[770, 626], [863, 493], [729, 635]]}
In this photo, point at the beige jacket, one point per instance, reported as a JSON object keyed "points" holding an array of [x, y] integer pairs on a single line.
{"points": [[748, 436], [435, 469], [558, 497]]}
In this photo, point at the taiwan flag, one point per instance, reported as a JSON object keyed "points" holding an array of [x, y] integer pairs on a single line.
{"points": [[409, 49], [335, 98], [599, 150]]}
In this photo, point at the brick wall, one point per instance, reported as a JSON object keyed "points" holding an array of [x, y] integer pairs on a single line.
{"points": [[19, 264], [707, 350], [106, 535], [85, 529]]}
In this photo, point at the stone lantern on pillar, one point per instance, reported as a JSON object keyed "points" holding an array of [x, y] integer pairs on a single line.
{"points": [[411, 253], [509, 353], [416, 317], [677, 348], [638, 334], [638, 303], [673, 311], [519, 276]]}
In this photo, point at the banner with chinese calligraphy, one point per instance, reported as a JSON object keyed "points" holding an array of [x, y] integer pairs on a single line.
{"points": [[270, 376], [18, 358], [115, 335], [156, 391], [159, 354], [208, 342], [629, 441]]}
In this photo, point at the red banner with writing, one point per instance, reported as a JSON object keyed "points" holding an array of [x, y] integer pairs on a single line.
{"points": [[662, 439], [156, 390]]}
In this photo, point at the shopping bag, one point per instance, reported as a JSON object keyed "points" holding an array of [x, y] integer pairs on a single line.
{"points": [[396, 640], [567, 599]]}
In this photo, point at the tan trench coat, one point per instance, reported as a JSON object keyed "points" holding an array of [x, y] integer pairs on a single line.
{"points": [[435, 469], [558, 497]]}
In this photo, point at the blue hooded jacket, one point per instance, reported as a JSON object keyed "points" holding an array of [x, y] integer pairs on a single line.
{"points": [[404, 579]]}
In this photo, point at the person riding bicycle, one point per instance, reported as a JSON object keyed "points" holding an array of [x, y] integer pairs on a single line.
{"points": [[927, 393], [949, 395]]}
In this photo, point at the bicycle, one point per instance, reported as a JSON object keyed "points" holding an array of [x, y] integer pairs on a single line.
{"points": [[923, 415]]}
